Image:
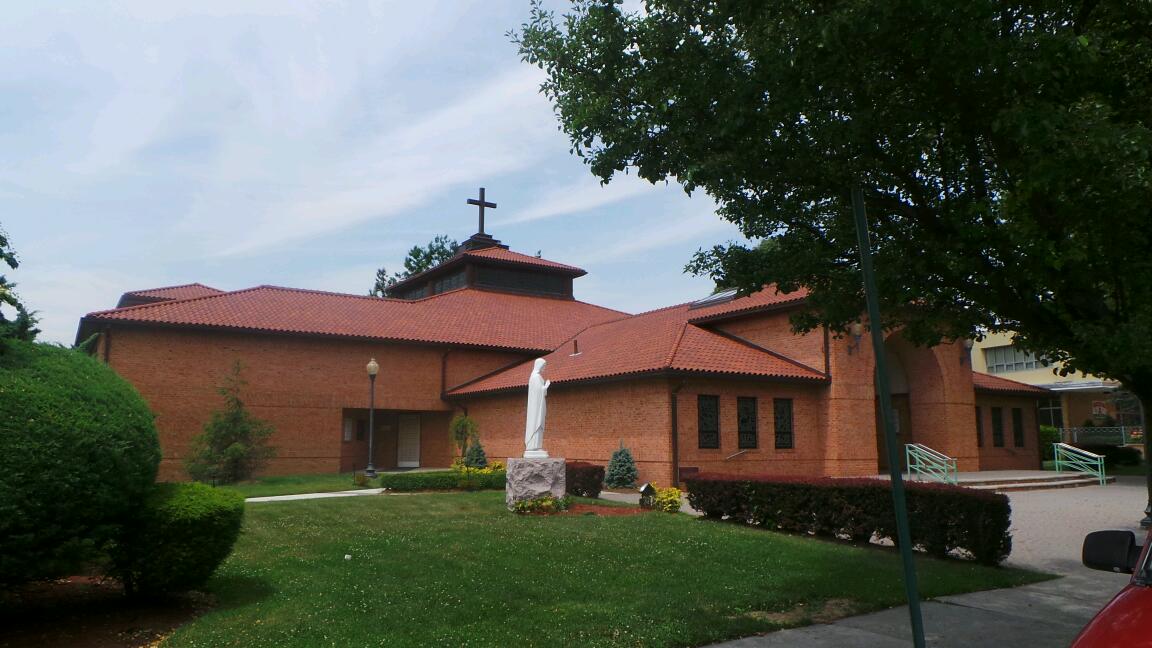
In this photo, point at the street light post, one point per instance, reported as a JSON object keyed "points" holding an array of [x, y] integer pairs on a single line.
{"points": [[373, 369]]}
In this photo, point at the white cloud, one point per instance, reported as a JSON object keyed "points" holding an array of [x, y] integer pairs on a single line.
{"points": [[584, 195]]}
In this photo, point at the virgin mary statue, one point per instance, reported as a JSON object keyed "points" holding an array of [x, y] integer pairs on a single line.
{"points": [[537, 409]]}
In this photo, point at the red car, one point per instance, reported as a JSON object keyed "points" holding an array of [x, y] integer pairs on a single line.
{"points": [[1127, 619]]}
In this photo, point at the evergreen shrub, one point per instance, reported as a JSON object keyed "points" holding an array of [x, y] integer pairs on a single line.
{"points": [[943, 517], [667, 500], [78, 454], [543, 504], [1113, 455], [1049, 434], [621, 471], [475, 456], [183, 532], [234, 443], [583, 479]]}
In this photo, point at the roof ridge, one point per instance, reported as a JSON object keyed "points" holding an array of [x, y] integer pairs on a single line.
{"points": [[671, 357], [167, 302], [315, 291], [187, 285], [1009, 380]]}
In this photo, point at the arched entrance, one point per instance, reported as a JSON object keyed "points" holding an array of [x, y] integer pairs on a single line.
{"points": [[915, 382]]}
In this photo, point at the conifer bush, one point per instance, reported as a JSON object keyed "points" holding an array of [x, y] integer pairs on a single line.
{"points": [[475, 457], [234, 443], [621, 471], [182, 533], [583, 479], [78, 454]]}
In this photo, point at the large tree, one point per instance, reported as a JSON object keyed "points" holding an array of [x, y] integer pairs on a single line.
{"points": [[22, 325], [419, 259], [1004, 147]]}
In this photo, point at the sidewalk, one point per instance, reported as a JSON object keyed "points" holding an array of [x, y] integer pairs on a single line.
{"points": [[1048, 529]]}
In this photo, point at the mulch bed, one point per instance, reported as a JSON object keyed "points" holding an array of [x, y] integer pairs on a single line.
{"points": [[604, 511], [87, 612]]}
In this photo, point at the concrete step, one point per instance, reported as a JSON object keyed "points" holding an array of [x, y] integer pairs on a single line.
{"points": [[1024, 479], [1087, 480]]}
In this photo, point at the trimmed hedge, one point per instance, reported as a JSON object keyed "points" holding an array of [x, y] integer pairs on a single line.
{"points": [[441, 480], [583, 479], [183, 532], [943, 517], [1113, 455], [78, 455]]}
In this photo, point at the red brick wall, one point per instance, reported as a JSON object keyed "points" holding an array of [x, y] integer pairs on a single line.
{"points": [[807, 456], [1009, 457], [301, 386], [774, 331], [586, 423]]}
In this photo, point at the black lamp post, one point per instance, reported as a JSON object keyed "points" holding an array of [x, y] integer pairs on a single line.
{"points": [[373, 369]]}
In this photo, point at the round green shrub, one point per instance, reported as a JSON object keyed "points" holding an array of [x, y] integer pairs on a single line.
{"points": [[78, 454], [183, 532]]}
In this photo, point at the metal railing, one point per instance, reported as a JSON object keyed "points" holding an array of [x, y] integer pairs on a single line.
{"points": [[1113, 435], [1077, 460], [925, 462]]}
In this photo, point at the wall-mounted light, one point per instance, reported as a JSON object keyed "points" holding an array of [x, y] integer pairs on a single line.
{"points": [[856, 330]]}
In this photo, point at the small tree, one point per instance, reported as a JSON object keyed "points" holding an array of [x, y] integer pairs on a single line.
{"points": [[234, 443], [475, 457], [463, 429], [621, 471], [23, 324]]}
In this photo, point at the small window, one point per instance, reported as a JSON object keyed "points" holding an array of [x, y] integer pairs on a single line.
{"points": [[708, 421], [1004, 359], [746, 422], [349, 429], [1051, 412], [782, 418], [979, 427], [998, 427], [1017, 427]]}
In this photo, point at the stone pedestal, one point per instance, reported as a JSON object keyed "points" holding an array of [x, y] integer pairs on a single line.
{"points": [[531, 478]]}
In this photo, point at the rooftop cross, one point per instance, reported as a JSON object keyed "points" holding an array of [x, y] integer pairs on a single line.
{"points": [[481, 203]]}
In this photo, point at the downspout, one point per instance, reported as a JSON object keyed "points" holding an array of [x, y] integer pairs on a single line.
{"points": [[673, 399]]}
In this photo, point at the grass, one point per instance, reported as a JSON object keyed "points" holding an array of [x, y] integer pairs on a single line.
{"points": [[294, 484], [458, 569]]}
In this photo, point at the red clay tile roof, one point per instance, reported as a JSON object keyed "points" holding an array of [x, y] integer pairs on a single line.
{"points": [[765, 299], [465, 317], [657, 341], [988, 383], [182, 292], [508, 256]]}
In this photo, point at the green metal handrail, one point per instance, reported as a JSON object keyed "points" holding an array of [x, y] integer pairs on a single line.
{"points": [[1078, 460], [926, 462]]}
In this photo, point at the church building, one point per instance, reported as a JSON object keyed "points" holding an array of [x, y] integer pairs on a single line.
{"points": [[718, 385]]}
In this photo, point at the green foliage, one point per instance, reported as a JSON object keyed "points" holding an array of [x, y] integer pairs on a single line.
{"points": [[419, 259], [621, 471], [475, 457], [234, 443], [442, 480], [22, 326], [583, 479], [182, 533], [463, 429], [1049, 434], [1003, 148], [78, 454], [544, 504], [667, 500]]}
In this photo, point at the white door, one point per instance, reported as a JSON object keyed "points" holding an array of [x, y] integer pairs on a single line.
{"points": [[408, 441]]}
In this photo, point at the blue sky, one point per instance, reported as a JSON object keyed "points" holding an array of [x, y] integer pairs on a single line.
{"points": [[300, 144]]}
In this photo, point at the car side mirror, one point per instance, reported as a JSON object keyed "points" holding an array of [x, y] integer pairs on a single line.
{"points": [[1114, 551]]}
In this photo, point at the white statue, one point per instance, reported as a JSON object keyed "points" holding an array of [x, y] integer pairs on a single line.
{"points": [[537, 410]]}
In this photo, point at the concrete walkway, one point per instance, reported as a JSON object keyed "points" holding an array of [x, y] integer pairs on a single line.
{"points": [[306, 496], [1048, 528]]}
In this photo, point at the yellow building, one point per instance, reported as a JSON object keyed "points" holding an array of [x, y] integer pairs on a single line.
{"points": [[1077, 401]]}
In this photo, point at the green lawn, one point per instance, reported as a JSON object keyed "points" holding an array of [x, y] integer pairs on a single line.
{"points": [[293, 484], [457, 569]]}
